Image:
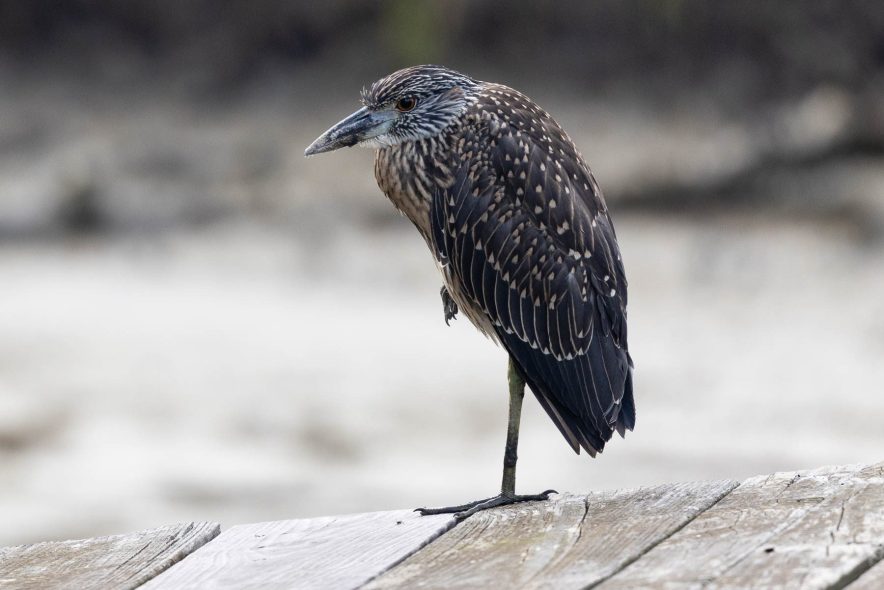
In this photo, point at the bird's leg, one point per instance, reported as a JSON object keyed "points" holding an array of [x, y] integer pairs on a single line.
{"points": [[508, 485], [449, 306], [510, 455]]}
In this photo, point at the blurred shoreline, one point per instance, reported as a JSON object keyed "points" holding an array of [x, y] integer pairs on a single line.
{"points": [[100, 157]]}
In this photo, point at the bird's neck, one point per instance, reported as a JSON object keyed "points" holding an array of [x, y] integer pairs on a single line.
{"points": [[411, 172]]}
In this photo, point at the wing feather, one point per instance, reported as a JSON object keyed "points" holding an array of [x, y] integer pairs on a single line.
{"points": [[528, 238]]}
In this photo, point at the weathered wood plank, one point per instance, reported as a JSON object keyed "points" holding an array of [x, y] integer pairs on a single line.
{"points": [[570, 542], [815, 529], [332, 552], [119, 561]]}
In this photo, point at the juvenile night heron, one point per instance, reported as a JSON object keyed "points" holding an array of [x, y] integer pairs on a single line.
{"points": [[522, 236]]}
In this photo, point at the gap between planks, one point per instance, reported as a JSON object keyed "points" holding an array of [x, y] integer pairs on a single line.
{"points": [[812, 529], [569, 542], [329, 552], [118, 561]]}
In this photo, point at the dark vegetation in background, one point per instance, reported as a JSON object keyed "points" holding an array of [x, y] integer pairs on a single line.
{"points": [[774, 48], [756, 61]]}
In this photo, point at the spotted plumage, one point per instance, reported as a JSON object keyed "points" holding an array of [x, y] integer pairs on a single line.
{"points": [[521, 233]]}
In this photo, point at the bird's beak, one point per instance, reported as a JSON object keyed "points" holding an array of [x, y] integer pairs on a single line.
{"points": [[362, 125]]}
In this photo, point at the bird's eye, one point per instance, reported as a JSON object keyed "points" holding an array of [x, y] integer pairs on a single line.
{"points": [[403, 105]]}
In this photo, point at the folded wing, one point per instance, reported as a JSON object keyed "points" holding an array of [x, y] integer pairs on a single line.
{"points": [[524, 231]]}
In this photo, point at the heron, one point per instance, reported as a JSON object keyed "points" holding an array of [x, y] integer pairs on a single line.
{"points": [[522, 235]]}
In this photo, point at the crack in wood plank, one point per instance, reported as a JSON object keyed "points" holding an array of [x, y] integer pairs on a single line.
{"points": [[812, 529], [569, 542], [819, 530], [127, 561], [582, 520]]}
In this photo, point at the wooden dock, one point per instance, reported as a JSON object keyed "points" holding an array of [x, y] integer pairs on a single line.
{"points": [[811, 529]]}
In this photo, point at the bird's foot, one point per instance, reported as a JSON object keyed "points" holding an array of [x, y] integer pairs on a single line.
{"points": [[466, 510], [449, 306]]}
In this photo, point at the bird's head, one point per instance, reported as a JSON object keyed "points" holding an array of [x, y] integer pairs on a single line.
{"points": [[407, 105]]}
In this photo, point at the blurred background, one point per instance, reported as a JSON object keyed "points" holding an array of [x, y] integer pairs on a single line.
{"points": [[196, 323]]}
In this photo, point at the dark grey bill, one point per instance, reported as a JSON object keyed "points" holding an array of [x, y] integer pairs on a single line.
{"points": [[361, 125]]}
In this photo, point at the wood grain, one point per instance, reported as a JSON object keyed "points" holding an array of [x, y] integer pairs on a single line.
{"points": [[816, 529], [119, 561], [332, 552], [570, 542]]}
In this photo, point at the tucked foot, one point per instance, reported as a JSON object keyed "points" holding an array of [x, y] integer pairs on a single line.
{"points": [[466, 510], [449, 307]]}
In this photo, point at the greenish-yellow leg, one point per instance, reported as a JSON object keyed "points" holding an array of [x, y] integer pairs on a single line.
{"points": [[510, 455]]}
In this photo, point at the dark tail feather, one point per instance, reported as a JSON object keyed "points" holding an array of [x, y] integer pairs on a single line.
{"points": [[575, 430], [588, 397], [626, 417]]}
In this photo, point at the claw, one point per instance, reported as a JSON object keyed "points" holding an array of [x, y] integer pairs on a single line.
{"points": [[449, 306]]}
